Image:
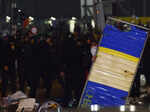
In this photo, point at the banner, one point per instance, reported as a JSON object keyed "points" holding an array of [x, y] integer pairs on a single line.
{"points": [[114, 70]]}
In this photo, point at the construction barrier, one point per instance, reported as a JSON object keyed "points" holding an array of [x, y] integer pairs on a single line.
{"points": [[113, 72]]}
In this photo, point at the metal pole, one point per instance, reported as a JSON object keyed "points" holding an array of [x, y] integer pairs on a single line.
{"points": [[95, 13], [100, 16], [144, 8], [118, 20], [118, 7], [85, 8], [13, 24]]}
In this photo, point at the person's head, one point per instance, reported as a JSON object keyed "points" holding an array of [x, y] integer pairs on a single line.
{"points": [[12, 45], [49, 41], [94, 43], [5, 38], [39, 40], [32, 41], [26, 39], [30, 34], [88, 41], [78, 43], [18, 33]]}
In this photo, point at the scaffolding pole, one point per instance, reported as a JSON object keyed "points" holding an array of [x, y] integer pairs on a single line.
{"points": [[100, 20], [13, 21]]}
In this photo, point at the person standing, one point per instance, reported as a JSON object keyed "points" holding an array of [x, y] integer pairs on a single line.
{"points": [[34, 75], [12, 64], [5, 65], [50, 66]]}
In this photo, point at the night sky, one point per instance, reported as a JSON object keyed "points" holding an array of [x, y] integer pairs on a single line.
{"points": [[47, 8], [64, 8]]}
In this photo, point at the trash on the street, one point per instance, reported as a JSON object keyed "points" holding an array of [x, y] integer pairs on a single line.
{"points": [[26, 105]]}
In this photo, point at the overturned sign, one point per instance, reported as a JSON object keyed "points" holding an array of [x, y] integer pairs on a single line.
{"points": [[113, 72]]}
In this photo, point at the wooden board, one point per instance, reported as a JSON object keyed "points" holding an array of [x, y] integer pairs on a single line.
{"points": [[113, 70]]}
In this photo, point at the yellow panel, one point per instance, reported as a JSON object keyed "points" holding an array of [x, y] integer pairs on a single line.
{"points": [[119, 54]]}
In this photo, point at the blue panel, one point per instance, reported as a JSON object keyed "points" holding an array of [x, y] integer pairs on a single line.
{"points": [[103, 95], [131, 42]]}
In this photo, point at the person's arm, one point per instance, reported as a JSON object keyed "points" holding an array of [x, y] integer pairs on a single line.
{"points": [[93, 52]]}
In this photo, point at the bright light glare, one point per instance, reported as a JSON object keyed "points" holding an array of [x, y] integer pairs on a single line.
{"points": [[74, 18], [72, 25], [94, 108], [132, 108], [122, 108], [8, 19], [31, 18], [50, 22], [19, 10], [93, 23], [53, 18]]}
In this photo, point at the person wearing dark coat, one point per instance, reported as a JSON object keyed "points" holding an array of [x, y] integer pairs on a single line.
{"points": [[34, 75], [87, 55], [77, 70], [27, 59], [50, 65], [12, 64], [74, 75], [146, 62], [4, 65], [31, 65], [21, 63], [142, 69], [8, 57]]}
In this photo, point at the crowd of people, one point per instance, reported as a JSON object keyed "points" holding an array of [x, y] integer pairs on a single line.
{"points": [[59, 55], [55, 54]]}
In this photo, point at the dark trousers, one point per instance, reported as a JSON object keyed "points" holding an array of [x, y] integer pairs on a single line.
{"points": [[6, 78], [34, 80], [48, 80], [21, 74], [4, 83], [74, 81], [22, 80]]}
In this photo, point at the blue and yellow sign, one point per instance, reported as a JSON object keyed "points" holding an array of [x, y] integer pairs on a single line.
{"points": [[113, 72]]}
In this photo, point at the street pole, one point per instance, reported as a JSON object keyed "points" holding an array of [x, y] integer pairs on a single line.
{"points": [[85, 8], [13, 23], [144, 8], [95, 12], [100, 16]]}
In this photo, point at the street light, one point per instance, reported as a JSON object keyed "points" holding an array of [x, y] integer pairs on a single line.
{"points": [[31, 18], [132, 108], [19, 10], [129, 108], [93, 23], [72, 25], [74, 18], [50, 22], [8, 19], [53, 18]]}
